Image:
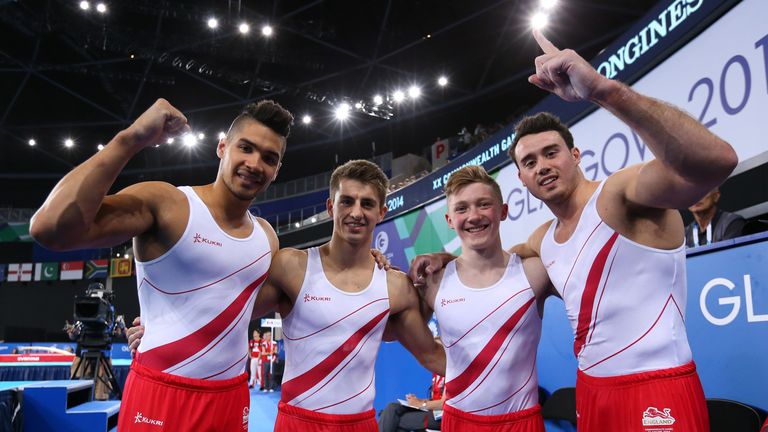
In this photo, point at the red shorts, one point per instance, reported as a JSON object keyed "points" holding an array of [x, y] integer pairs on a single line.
{"points": [[527, 420], [291, 419], [155, 401], [668, 400]]}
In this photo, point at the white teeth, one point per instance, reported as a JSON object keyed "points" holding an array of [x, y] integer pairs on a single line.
{"points": [[548, 181], [475, 229]]}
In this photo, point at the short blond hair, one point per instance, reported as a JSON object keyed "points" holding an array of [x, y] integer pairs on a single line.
{"points": [[468, 175], [363, 171]]}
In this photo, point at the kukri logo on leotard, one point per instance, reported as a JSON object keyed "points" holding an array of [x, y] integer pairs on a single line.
{"points": [[200, 239]]}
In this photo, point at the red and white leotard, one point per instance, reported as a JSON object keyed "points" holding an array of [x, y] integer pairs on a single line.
{"points": [[332, 338], [490, 337], [196, 299], [625, 301]]}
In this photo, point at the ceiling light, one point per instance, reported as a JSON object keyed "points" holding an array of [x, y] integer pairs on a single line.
{"points": [[32, 142], [213, 23], [222, 135], [100, 147], [398, 96], [84, 5], [267, 30], [313, 219], [342, 111], [548, 4], [189, 140], [244, 28], [378, 100], [297, 224], [69, 142], [414, 92], [539, 20], [442, 81], [306, 119], [201, 136], [169, 141], [358, 105], [101, 8]]}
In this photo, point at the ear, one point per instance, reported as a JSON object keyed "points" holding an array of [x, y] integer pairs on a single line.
{"points": [[382, 213], [576, 154], [449, 221], [220, 147], [329, 207], [504, 211]]}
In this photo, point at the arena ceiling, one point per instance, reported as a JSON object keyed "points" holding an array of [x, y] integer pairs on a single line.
{"points": [[70, 73]]}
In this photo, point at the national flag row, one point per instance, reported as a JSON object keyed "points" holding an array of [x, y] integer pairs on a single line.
{"points": [[69, 270]]}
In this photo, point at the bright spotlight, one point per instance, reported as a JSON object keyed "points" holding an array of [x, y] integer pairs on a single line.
{"points": [[267, 30], [297, 225], [398, 96], [342, 111], [201, 136], [442, 81], [169, 141], [100, 147], [32, 142], [189, 140], [306, 119], [213, 23], [222, 135], [313, 219], [84, 5], [69, 142], [358, 105], [101, 8], [539, 20], [378, 100], [548, 4], [244, 28], [414, 92]]}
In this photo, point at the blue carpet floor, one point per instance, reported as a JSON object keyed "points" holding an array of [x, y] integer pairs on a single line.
{"points": [[263, 411]]}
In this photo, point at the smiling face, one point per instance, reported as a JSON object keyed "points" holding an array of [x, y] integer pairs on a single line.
{"points": [[475, 212], [356, 209], [250, 159], [547, 167]]}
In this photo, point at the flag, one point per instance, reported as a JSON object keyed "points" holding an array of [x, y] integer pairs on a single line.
{"points": [[121, 267], [46, 271], [14, 270], [71, 270], [96, 269], [26, 272]]}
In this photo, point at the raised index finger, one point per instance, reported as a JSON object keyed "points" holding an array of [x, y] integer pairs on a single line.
{"points": [[546, 46]]}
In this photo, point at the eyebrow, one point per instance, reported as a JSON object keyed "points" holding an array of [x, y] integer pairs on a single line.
{"points": [[543, 150], [256, 146]]}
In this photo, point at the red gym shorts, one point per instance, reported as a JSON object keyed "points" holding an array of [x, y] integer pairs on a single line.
{"points": [[668, 400], [154, 401], [527, 420], [292, 419]]}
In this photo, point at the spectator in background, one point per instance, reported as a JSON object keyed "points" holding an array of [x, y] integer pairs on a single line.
{"points": [[268, 357], [254, 349], [711, 224], [419, 415]]}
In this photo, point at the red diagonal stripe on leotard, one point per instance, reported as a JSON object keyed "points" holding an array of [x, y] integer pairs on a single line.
{"points": [[165, 356], [457, 385], [300, 384], [588, 296]]}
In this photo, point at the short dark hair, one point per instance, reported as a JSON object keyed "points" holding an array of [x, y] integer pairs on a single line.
{"points": [[541, 122], [269, 113], [363, 171]]}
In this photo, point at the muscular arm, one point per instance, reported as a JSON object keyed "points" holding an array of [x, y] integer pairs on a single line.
{"points": [[286, 273], [78, 213], [409, 327], [682, 146]]}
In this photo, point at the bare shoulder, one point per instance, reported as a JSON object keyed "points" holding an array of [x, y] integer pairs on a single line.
{"points": [[534, 240], [154, 191], [274, 241], [291, 257], [398, 281]]}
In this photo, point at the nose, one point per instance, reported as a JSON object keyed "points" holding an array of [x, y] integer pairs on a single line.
{"points": [[356, 211], [473, 214], [253, 162]]}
